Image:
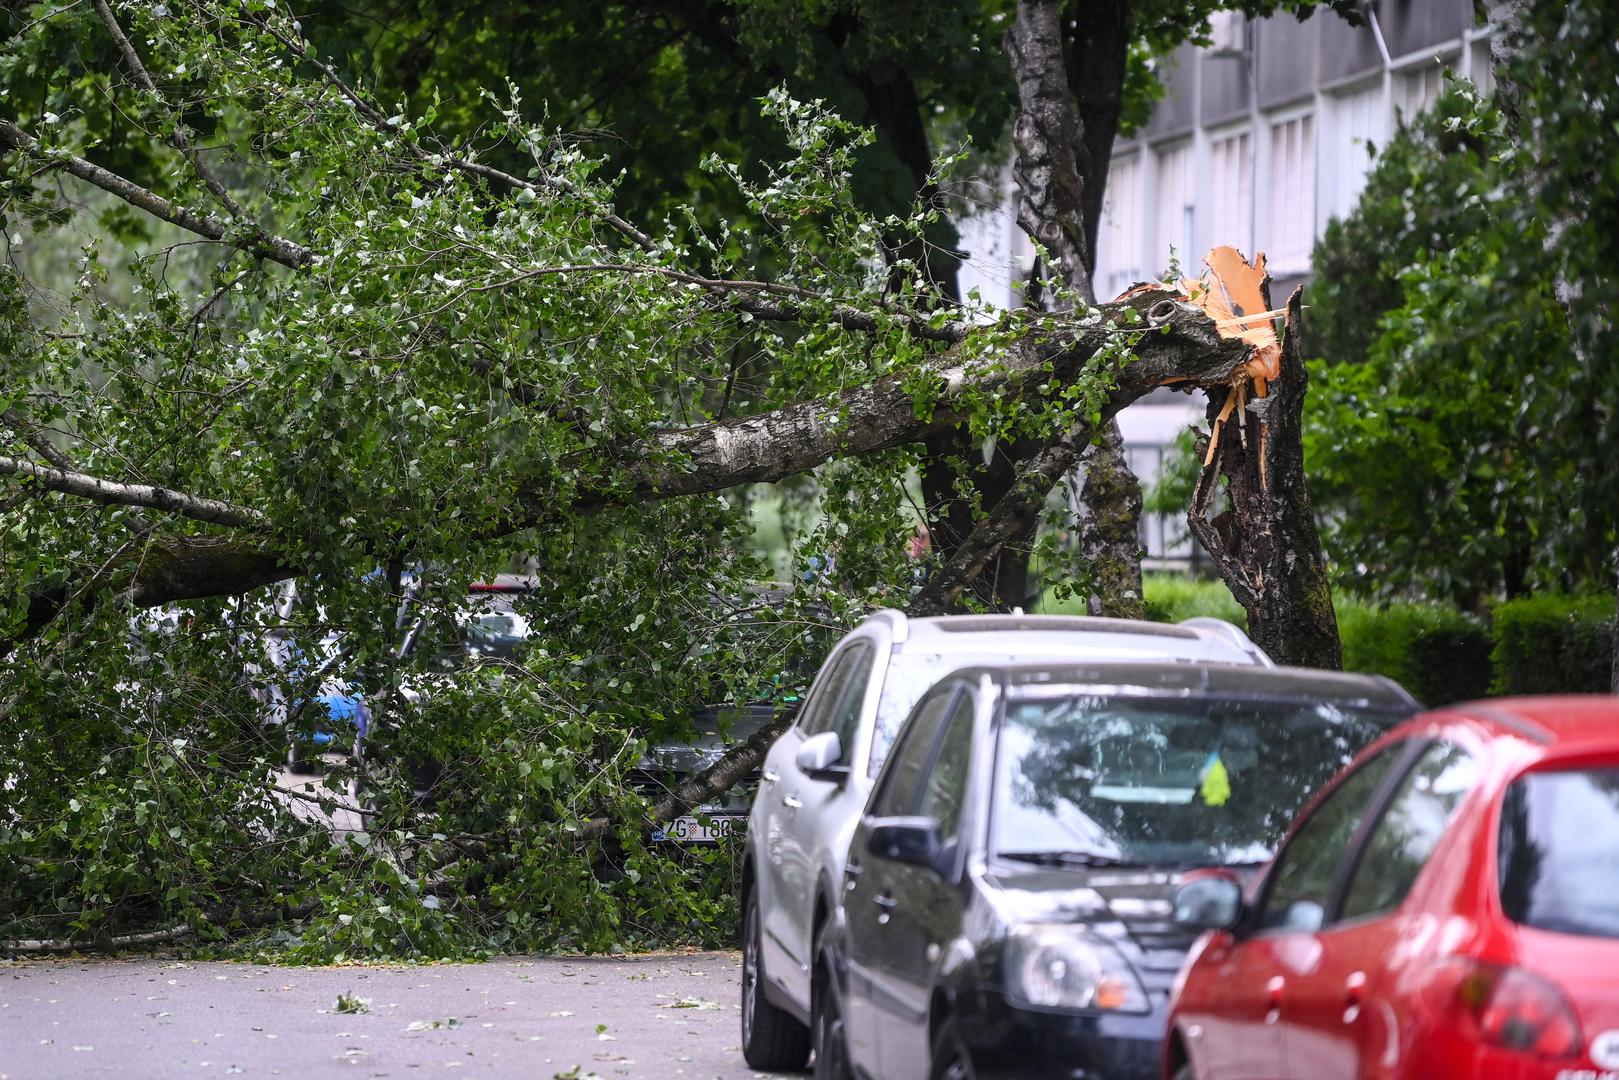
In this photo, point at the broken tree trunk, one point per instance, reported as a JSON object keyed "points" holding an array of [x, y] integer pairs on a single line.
{"points": [[1265, 542]]}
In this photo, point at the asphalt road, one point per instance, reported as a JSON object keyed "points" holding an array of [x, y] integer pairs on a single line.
{"points": [[663, 1016]]}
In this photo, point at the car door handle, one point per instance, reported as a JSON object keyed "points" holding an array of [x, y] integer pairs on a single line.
{"points": [[1354, 990], [768, 777], [792, 801]]}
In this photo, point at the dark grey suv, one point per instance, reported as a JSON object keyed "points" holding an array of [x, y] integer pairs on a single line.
{"points": [[1005, 909]]}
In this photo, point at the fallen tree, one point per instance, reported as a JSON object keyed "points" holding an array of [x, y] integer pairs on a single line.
{"points": [[388, 354]]}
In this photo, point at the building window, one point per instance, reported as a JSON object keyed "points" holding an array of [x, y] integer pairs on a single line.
{"points": [[1292, 195], [1118, 241], [1356, 132], [1420, 88], [1231, 192], [1174, 209]]}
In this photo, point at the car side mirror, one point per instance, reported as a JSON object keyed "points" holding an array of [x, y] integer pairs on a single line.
{"points": [[1208, 900], [912, 840], [820, 757]]}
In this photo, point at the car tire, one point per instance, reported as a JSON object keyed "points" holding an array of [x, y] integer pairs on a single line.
{"points": [[772, 1039], [830, 1041], [950, 1060]]}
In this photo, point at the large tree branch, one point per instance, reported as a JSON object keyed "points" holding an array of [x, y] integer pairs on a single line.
{"points": [[1177, 343], [884, 414], [115, 493], [251, 240]]}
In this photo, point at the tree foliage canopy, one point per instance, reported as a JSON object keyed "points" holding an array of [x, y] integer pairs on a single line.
{"points": [[1465, 436]]}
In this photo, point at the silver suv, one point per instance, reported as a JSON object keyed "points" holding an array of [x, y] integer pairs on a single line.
{"points": [[816, 777]]}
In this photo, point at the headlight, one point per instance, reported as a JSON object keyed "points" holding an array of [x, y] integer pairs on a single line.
{"points": [[1052, 966]]}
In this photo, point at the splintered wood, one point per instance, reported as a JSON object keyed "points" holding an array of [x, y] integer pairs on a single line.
{"points": [[1232, 293]]}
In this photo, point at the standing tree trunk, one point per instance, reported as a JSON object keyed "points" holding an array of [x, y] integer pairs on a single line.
{"points": [[1109, 527], [1265, 542], [1061, 169]]}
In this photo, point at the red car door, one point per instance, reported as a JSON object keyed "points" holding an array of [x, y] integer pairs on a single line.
{"points": [[1343, 1020], [1239, 994]]}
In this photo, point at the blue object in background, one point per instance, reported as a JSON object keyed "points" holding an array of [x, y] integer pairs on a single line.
{"points": [[343, 712]]}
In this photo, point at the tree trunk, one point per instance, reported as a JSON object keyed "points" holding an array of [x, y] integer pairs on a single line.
{"points": [[1265, 543], [1110, 527], [1061, 169]]}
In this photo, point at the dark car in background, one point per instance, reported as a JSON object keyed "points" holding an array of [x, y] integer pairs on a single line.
{"points": [[1006, 909]]}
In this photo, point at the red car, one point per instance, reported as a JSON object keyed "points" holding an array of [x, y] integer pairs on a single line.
{"points": [[1447, 907]]}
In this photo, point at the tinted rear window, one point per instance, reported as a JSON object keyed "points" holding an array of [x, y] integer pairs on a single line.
{"points": [[1559, 861]]}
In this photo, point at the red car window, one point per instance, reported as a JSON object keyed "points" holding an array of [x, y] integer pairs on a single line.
{"points": [[1558, 863], [1300, 886], [1402, 840]]}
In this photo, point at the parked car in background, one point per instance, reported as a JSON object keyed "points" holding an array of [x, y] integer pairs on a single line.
{"points": [[1005, 908], [1448, 907], [816, 778]]}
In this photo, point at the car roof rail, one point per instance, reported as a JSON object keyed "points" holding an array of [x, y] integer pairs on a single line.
{"points": [[899, 625], [1232, 633]]}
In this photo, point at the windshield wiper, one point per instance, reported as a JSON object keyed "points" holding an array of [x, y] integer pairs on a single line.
{"points": [[1068, 858]]}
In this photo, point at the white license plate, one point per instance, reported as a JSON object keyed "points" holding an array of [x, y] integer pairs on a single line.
{"points": [[694, 830]]}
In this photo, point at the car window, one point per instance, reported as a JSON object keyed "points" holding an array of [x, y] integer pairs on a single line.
{"points": [[845, 716], [1301, 882], [1559, 866], [1405, 836], [902, 781], [907, 679], [828, 692], [946, 783], [1178, 781]]}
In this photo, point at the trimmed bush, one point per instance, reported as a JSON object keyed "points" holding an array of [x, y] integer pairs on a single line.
{"points": [[1554, 645], [1434, 651], [1173, 597]]}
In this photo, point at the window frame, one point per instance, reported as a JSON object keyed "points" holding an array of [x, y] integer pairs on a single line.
{"points": [[819, 692], [948, 688], [963, 702], [1408, 751], [1344, 881]]}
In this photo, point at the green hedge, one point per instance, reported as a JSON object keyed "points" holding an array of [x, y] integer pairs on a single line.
{"points": [[1434, 651], [1554, 645], [1545, 644]]}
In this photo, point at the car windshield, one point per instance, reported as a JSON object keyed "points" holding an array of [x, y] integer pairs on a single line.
{"points": [[1156, 781], [1557, 859]]}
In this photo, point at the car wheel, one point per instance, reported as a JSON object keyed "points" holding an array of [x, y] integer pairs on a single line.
{"points": [[771, 1038], [831, 1045], [950, 1060]]}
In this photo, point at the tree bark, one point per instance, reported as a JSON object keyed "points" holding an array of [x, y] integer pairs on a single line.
{"points": [[1265, 543], [1109, 527], [1061, 169]]}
